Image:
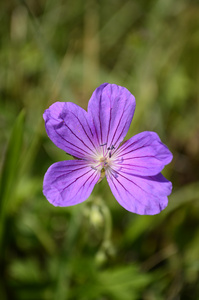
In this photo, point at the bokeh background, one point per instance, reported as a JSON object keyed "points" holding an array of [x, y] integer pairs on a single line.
{"points": [[62, 50]]}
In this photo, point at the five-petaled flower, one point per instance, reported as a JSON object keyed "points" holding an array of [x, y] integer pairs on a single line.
{"points": [[95, 138]]}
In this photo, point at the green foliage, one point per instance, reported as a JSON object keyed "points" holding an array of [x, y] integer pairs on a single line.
{"points": [[9, 172], [58, 50]]}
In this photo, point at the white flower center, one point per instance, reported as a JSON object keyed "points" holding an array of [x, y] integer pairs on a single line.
{"points": [[103, 160]]}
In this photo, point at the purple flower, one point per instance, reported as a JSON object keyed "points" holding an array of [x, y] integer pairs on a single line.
{"points": [[94, 138]]}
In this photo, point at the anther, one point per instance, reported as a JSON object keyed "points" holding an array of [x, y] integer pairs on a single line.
{"points": [[111, 148]]}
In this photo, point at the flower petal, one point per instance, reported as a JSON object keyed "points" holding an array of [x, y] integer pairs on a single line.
{"points": [[67, 125], [138, 194], [111, 108], [144, 154], [69, 182]]}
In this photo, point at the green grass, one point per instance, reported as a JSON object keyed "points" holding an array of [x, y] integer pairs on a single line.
{"points": [[61, 51]]}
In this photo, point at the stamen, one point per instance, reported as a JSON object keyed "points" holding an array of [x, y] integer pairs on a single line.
{"points": [[111, 148], [93, 168]]}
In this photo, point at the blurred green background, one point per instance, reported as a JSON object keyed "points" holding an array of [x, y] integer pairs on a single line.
{"points": [[62, 50]]}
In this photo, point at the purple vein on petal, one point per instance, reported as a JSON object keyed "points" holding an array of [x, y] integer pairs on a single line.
{"points": [[125, 166], [116, 128], [138, 186], [119, 173], [109, 124], [120, 134], [100, 103], [77, 137], [144, 156], [96, 134], [69, 172], [128, 146], [89, 126], [127, 191], [85, 131], [71, 144], [62, 138], [133, 150], [94, 173], [78, 178]]}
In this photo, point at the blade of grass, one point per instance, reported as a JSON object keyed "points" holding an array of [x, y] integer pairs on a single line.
{"points": [[10, 168]]}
